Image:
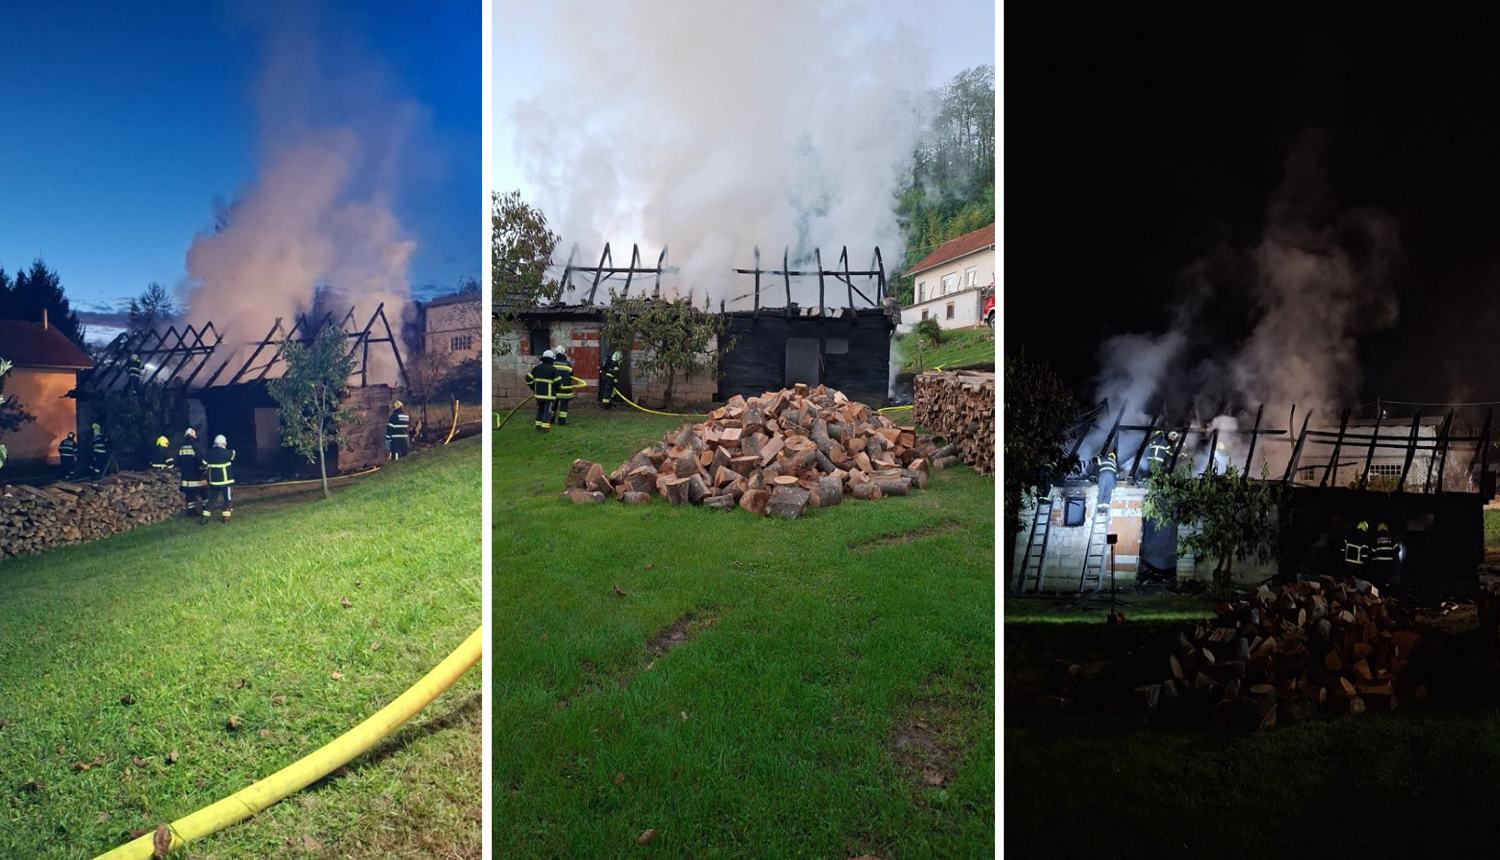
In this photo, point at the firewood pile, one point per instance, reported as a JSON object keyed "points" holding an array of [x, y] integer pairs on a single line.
{"points": [[777, 454], [959, 406], [1312, 647], [35, 519]]}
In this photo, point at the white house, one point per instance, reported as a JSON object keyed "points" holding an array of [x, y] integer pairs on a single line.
{"points": [[952, 283], [451, 326]]}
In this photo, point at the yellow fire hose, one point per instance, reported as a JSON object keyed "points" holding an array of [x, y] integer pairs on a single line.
{"points": [[654, 412], [251, 800], [499, 422]]}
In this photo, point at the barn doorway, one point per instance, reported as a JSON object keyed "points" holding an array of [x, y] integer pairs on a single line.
{"points": [[802, 364]]}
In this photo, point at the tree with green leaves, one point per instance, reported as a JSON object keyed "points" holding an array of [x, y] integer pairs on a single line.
{"points": [[308, 395], [672, 336], [12, 416], [521, 246], [1039, 409], [154, 307], [35, 290], [1231, 516], [133, 418]]}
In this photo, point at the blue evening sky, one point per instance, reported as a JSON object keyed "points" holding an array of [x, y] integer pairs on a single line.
{"points": [[124, 123]]}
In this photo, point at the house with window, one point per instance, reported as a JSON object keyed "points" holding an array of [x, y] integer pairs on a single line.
{"points": [[450, 324], [952, 283], [44, 368]]}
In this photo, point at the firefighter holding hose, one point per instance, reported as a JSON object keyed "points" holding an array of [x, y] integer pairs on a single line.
{"points": [[542, 380], [609, 377], [397, 431], [567, 384]]}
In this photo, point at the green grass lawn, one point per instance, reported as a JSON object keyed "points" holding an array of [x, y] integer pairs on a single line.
{"points": [[126, 653], [826, 661], [960, 348], [1414, 782]]}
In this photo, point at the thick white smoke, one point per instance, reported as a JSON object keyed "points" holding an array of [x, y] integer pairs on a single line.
{"points": [[319, 210], [1318, 280], [712, 128]]}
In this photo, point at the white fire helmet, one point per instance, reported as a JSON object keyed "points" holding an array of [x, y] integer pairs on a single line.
{"points": [[191, 433], [548, 354], [220, 442], [617, 356]]}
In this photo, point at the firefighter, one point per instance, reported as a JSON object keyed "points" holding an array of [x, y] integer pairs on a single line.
{"points": [[567, 384], [161, 456], [542, 380], [99, 461], [1159, 449], [1109, 471], [609, 376], [220, 465], [133, 370], [397, 429], [67, 455], [1383, 556], [1357, 550], [190, 469]]}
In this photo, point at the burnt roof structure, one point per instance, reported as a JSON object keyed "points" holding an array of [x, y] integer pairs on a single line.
{"points": [[196, 358]]}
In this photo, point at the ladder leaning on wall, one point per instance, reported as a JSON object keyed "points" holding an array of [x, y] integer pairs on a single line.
{"points": [[1036, 544], [1093, 557]]}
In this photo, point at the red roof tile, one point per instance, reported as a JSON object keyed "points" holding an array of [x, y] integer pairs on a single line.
{"points": [[27, 344], [952, 249]]}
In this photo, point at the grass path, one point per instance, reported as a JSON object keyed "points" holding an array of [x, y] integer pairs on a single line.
{"points": [[771, 729], [120, 653]]}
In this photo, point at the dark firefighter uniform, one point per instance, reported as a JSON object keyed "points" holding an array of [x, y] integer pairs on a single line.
{"points": [[161, 455], [609, 377], [542, 380], [1159, 450], [193, 482], [133, 370], [397, 430], [219, 462], [1357, 550], [567, 385], [67, 455], [1383, 556], [100, 452], [1109, 471]]}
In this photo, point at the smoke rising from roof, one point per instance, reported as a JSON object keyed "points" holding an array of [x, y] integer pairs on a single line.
{"points": [[319, 210], [712, 128], [1316, 281]]}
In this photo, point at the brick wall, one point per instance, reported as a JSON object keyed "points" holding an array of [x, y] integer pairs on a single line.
{"points": [[581, 340]]}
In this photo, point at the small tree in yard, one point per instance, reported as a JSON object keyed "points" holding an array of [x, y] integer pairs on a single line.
{"points": [[308, 395], [12, 416], [1231, 516], [673, 335]]}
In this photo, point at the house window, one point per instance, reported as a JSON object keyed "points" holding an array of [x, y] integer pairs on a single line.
{"points": [[922, 291], [461, 343], [1389, 470], [836, 346], [971, 276], [540, 341], [924, 313], [950, 283], [950, 310]]}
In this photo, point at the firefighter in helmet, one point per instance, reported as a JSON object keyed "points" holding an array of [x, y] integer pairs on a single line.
{"points": [[542, 380], [67, 455], [397, 431], [99, 449], [1357, 550], [1159, 449], [609, 376], [1383, 556], [567, 384], [161, 455], [219, 461], [1109, 471], [133, 371], [191, 477]]}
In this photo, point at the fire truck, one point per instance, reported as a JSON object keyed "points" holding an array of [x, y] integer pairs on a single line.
{"points": [[987, 313]]}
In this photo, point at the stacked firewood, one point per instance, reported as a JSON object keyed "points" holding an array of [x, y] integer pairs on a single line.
{"points": [[777, 454], [1311, 647], [959, 406], [35, 519]]}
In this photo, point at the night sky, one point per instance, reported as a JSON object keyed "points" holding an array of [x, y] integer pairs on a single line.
{"points": [[1138, 145]]}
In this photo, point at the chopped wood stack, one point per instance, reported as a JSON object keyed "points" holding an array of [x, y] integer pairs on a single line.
{"points": [[1312, 647], [777, 454], [959, 406], [36, 519]]}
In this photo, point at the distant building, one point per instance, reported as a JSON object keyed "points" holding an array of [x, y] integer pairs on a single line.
{"points": [[951, 284], [44, 368], [451, 325]]}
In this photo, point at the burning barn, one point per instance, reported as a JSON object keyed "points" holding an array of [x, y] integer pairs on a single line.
{"points": [[1426, 478], [226, 383], [842, 340]]}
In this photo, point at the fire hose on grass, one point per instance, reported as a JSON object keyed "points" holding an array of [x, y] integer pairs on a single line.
{"points": [[251, 800]]}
